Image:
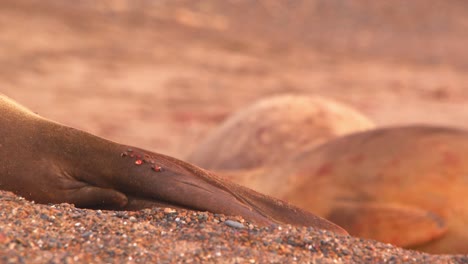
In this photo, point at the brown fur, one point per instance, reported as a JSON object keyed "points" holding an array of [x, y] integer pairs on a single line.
{"points": [[402, 185], [261, 133], [51, 163]]}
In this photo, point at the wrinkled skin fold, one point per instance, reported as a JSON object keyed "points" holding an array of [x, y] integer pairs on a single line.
{"points": [[50, 163]]}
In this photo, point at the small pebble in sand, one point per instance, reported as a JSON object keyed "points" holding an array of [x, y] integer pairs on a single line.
{"points": [[169, 210], [234, 224]]}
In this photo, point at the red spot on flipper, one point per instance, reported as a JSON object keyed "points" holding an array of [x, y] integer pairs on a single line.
{"points": [[139, 160], [156, 168]]}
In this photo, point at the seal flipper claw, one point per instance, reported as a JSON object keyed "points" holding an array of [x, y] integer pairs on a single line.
{"points": [[401, 225], [96, 197]]}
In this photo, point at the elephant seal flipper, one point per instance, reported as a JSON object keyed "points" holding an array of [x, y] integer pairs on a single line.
{"points": [[189, 186], [47, 162], [95, 197], [400, 225], [277, 208], [286, 213]]}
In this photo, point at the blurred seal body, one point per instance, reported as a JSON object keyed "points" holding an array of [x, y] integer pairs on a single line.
{"points": [[264, 132], [402, 185]]}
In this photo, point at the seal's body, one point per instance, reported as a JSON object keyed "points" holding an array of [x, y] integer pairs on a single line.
{"points": [[263, 132], [50, 163], [403, 185]]}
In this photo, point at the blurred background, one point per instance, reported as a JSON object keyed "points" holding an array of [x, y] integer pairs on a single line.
{"points": [[160, 74]]}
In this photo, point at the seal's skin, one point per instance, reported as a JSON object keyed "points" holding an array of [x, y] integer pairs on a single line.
{"points": [[403, 185], [263, 132], [50, 163]]}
